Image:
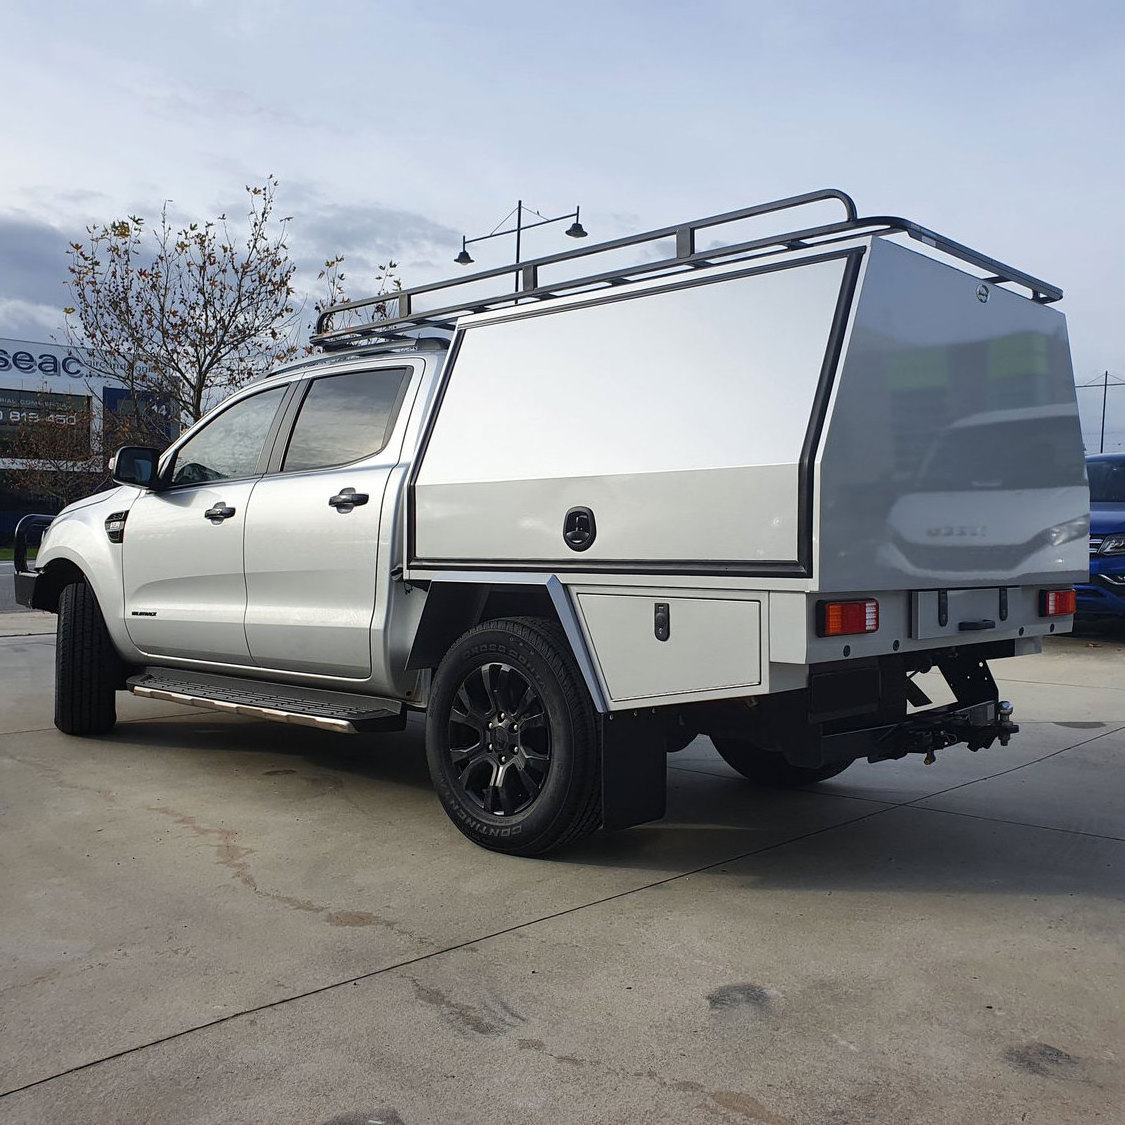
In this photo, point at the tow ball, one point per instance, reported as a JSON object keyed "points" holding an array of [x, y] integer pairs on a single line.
{"points": [[1005, 728], [980, 731]]}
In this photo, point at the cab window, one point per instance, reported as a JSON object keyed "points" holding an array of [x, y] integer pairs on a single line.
{"points": [[231, 445], [345, 418]]}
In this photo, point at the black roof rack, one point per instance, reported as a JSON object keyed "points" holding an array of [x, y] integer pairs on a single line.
{"points": [[527, 286]]}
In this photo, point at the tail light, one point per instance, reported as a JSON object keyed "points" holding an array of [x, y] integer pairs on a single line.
{"points": [[846, 619], [1057, 603]]}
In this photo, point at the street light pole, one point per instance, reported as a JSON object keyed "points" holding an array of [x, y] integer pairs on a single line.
{"points": [[575, 230], [1105, 391], [1105, 385]]}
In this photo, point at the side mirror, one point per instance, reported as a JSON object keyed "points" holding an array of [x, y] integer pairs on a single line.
{"points": [[135, 464]]}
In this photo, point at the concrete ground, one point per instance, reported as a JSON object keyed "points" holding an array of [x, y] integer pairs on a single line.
{"points": [[207, 919]]}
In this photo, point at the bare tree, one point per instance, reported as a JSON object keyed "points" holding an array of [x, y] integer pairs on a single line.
{"points": [[187, 314], [387, 283], [177, 318]]}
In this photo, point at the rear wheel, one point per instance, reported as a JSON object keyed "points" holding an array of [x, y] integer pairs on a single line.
{"points": [[87, 667], [511, 738], [769, 767]]}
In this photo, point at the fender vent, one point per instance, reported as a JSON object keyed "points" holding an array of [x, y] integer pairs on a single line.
{"points": [[115, 526]]}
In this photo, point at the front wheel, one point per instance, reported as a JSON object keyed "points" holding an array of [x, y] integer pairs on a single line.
{"points": [[769, 767], [87, 667], [511, 738]]}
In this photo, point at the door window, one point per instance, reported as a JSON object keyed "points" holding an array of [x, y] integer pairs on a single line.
{"points": [[345, 417], [230, 446]]}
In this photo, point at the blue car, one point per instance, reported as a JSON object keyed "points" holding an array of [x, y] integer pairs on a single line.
{"points": [[1104, 595]]}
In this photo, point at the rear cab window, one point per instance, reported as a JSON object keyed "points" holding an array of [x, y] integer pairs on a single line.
{"points": [[345, 418]]}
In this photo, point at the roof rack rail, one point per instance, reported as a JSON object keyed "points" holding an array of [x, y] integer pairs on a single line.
{"points": [[527, 287]]}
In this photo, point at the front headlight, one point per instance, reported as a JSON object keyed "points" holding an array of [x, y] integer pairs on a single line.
{"points": [[1067, 532], [1112, 545]]}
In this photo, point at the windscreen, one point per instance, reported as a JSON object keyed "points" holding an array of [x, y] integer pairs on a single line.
{"points": [[1107, 481], [1018, 453]]}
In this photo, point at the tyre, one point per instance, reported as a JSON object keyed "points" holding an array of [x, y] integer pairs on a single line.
{"points": [[511, 738], [87, 667], [769, 767]]}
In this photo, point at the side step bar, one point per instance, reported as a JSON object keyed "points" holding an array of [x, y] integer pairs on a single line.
{"points": [[336, 711]]}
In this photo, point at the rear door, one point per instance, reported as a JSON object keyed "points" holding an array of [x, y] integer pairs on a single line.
{"points": [[312, 530]]}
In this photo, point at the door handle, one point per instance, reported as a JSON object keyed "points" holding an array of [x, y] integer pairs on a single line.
{"points": [[347, 499], [579, 529], [218, 513]]}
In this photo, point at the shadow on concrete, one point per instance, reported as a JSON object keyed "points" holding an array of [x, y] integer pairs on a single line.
{"points": [[697, 801], [899, 850], [382, 757], [848, 842]]}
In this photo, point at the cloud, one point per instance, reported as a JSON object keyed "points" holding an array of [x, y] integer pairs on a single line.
{"points": [[33, 266], [25, 320], [367, 236], [180, 101], [33, 276], [374, 232]]}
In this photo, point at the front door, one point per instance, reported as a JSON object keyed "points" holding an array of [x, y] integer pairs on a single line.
{"points": [[182, 554], [313, 528]]}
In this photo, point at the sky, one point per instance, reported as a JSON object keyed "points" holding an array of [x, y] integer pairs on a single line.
{"points": [[396, 127]]}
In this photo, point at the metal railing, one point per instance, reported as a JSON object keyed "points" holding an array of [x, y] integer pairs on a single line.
{"points": [[685, 258]]}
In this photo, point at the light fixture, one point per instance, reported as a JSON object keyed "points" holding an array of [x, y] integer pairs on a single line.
{"points": [[575, 230]]}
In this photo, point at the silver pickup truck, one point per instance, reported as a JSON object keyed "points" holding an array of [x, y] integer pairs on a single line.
{"points": [[744, 487]]}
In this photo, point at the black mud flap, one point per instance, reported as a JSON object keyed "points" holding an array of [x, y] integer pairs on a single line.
{"points": [[634, 768]]}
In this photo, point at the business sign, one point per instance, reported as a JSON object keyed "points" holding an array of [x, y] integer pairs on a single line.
{"points": [[160, 415], [27, 365], [42, 413], [56, 402]]}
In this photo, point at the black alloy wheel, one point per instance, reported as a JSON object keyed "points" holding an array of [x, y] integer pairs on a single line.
{"points": [[499, 741], [512, 739]]}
